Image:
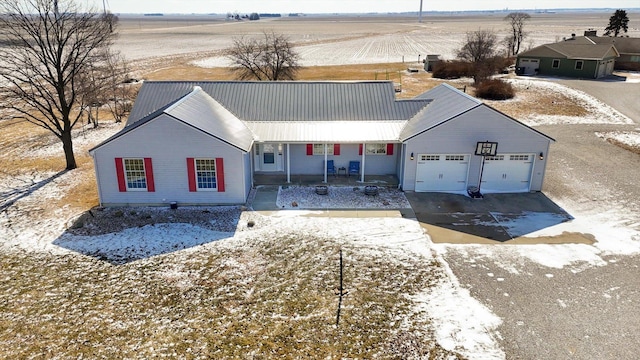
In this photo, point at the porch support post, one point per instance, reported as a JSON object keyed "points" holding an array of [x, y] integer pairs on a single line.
{"points": [[403, 163], [364, 151], [288, 163], [325, 162]]}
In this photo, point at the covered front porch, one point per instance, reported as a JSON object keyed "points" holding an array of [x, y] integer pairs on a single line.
{"points": [[337, 180]]}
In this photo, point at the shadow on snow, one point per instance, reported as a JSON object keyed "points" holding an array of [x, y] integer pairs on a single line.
{"points": [[123, 235]]}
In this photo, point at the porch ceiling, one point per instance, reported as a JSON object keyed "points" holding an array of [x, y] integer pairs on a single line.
{"points": [[327, 131]]}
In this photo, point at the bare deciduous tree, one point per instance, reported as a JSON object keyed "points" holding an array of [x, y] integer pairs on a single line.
{"points": [[269, 58], [50, 47], [515, 39], [479, 49], [106, 83]]}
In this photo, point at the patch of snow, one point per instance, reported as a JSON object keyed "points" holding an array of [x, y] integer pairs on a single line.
{"points": [[629, 138], [462, 322], [84, 137], [526, 222], [142, 242]]}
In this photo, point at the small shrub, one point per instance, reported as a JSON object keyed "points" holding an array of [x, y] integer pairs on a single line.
{"points": [[495, 90], [452, 69]]}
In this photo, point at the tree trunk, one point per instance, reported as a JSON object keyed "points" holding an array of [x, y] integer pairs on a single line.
{"points": [[67, 145]]}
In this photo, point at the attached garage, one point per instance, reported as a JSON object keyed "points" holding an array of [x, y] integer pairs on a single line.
{"points": [[507, 173], [529, 66], [442, 172]]}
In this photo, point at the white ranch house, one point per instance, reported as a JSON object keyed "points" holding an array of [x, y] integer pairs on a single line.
{"points": [[205, 143]]}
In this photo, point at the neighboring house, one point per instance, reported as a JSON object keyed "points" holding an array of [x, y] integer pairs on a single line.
{"points": [[628, 48], [200, 143], [574, 57]]}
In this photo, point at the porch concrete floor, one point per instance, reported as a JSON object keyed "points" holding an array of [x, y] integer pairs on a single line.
{"points": [[332, 180]]}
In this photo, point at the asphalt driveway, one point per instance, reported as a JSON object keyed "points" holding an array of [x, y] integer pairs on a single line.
{"points": [[622, 96]]}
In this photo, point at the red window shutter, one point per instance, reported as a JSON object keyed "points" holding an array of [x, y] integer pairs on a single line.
{"points": [[220, 174], [389, 149], [148, 171], [122, 184], [191, 174], [309, 149], [336, 149], [360, 149]]}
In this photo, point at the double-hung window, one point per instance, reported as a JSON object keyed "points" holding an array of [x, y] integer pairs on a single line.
{"points": [[206, 174], [318, 149], [376, 149], [135, 174]]}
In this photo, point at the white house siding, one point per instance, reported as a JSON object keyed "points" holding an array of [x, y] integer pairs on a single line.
{"points": [[303, 164], [461, 134], [169, 143], [248, 178]]}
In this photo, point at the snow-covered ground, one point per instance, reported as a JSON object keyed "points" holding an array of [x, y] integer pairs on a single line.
{"points": [[461, 322]]}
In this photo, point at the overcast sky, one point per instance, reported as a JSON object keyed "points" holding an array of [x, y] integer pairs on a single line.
{"points": [[335, 6]]}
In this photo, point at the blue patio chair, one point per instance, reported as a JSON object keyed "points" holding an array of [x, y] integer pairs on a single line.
{"points": [[354, 167], [331, 169]]}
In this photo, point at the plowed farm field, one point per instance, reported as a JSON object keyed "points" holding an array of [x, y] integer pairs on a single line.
{"points": [[340, 40]]}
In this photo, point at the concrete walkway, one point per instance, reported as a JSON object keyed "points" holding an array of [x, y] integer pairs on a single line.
{"points": [[450, 218]]}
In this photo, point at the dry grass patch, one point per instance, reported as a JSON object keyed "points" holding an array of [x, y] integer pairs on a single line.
{"points": [[263, 297], [528, 101], [413, 84]]}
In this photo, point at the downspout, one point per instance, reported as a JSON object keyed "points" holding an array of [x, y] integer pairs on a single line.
{"points": [[325, 163], [402, 165], [288, 164], [252, 164]]}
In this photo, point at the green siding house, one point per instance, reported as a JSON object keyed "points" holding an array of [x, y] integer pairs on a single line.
{"points": [[570, 58]]}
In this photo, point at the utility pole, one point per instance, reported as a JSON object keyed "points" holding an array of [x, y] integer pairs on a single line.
{"points": [[420, 15]]}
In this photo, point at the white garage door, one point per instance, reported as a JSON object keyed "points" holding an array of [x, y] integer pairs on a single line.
{"points": [[530, 65], [507, 173], [442, 172], [602, 69]]}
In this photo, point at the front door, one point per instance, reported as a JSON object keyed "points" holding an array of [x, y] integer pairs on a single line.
{"points": [[268, 157]]}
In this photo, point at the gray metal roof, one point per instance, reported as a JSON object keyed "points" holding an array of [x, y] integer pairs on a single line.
{"points": [[287, 100], [447, 102], [574, 50], [198, 109]]}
